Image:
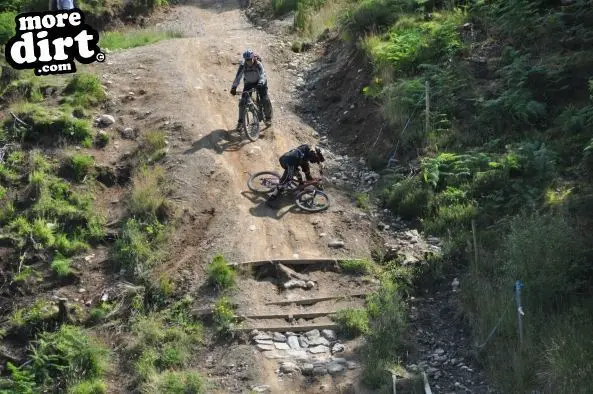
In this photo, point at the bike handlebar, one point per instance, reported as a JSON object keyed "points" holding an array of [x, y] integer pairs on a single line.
{"points": [[240, 92]]}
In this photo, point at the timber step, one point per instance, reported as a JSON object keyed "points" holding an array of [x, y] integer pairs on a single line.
{"points": [[310, 315], [256, 263], [290, 328], [310, 301]]}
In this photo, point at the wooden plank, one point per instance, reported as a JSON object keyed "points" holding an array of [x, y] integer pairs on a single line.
{"points": [[291, 261], [308, 327], [307, 301], [310, 315]]}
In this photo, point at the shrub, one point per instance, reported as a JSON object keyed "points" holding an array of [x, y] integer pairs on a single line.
{"points": [[409, 198], [51, 124], [7, 27], [138, 248], [101, 139], [84, 90], [357, 267], [163, 340], [220, 274], [148, 198], [450, 218], [362, 201], [371, 16], [33, 318], [66, 356], [281, 7], [81, 164], [386, 332], [59, 360], [177, 382], [89, 387], [353, 322], [61, 265], [224, 319], [27, 89], [411, 42]]}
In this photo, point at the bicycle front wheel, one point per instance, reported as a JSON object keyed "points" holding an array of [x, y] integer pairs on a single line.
{"points": [[312, 200], [251, 123]]}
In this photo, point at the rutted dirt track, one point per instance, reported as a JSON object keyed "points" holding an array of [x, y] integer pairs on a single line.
{"points": [[183, 87]]}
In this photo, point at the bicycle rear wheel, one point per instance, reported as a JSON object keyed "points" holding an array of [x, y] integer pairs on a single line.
{"points": [[312, 200], [263, 181]]}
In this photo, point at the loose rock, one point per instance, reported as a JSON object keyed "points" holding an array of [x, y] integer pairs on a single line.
{"points": [[336, 244], [293, 342], [335, 368], [304, 342], [272, 354], [330, 335], [288, 367], [318, 341], [261, 389], [106, 120], [278, 337], [312, 334], [281, 345], [318, 349], [262, 346], [352, 365], [307, 369], [339, 360], [338, 348], [262, 336]]}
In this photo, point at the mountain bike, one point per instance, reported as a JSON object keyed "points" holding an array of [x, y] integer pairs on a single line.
{"points": [[306, 192], [254, 113]]}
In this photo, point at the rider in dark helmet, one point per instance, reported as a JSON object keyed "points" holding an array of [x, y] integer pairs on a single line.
{"points": [[300, 156], [251, 69]]}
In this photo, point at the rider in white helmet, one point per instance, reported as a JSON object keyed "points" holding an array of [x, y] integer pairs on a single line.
{"points": [[252, 70]]}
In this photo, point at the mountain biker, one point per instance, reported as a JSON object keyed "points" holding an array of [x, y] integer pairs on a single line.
{"points": [[254, 76], [300, 156]]}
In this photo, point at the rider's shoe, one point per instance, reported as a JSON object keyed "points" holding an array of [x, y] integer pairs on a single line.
{"points": [[268, 122], [239, 126]]}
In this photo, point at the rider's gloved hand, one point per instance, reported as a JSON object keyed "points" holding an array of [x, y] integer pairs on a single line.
{"points": [[260, 84], [233, 91]]}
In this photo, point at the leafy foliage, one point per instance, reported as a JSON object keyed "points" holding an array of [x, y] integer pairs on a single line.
{"points": [[220, 273], [59, 360]]}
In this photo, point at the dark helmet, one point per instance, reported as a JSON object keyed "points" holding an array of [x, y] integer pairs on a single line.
{"points": [[248, 54]]}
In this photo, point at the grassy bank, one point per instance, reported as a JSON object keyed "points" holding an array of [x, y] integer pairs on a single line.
{"points": [[508, 146], [53, 182]]}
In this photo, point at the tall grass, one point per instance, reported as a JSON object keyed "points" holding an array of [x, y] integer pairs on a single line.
{"points": [[548, 255]]}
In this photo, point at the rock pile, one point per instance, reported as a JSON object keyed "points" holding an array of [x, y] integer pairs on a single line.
{"points": [[312, 353]]}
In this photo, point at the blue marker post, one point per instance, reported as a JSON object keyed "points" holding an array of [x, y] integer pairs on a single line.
{"points": [[520, 314]]}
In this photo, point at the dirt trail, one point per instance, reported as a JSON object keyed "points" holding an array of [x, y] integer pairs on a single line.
{"points": [[191, 79], [182, 87]]}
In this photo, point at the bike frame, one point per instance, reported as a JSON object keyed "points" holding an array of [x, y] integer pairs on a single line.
{"points": [[256, 104], [316, 182]]}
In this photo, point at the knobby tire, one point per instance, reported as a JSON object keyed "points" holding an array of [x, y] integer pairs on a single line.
{"points": [[258, 188], [302, 203]]}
